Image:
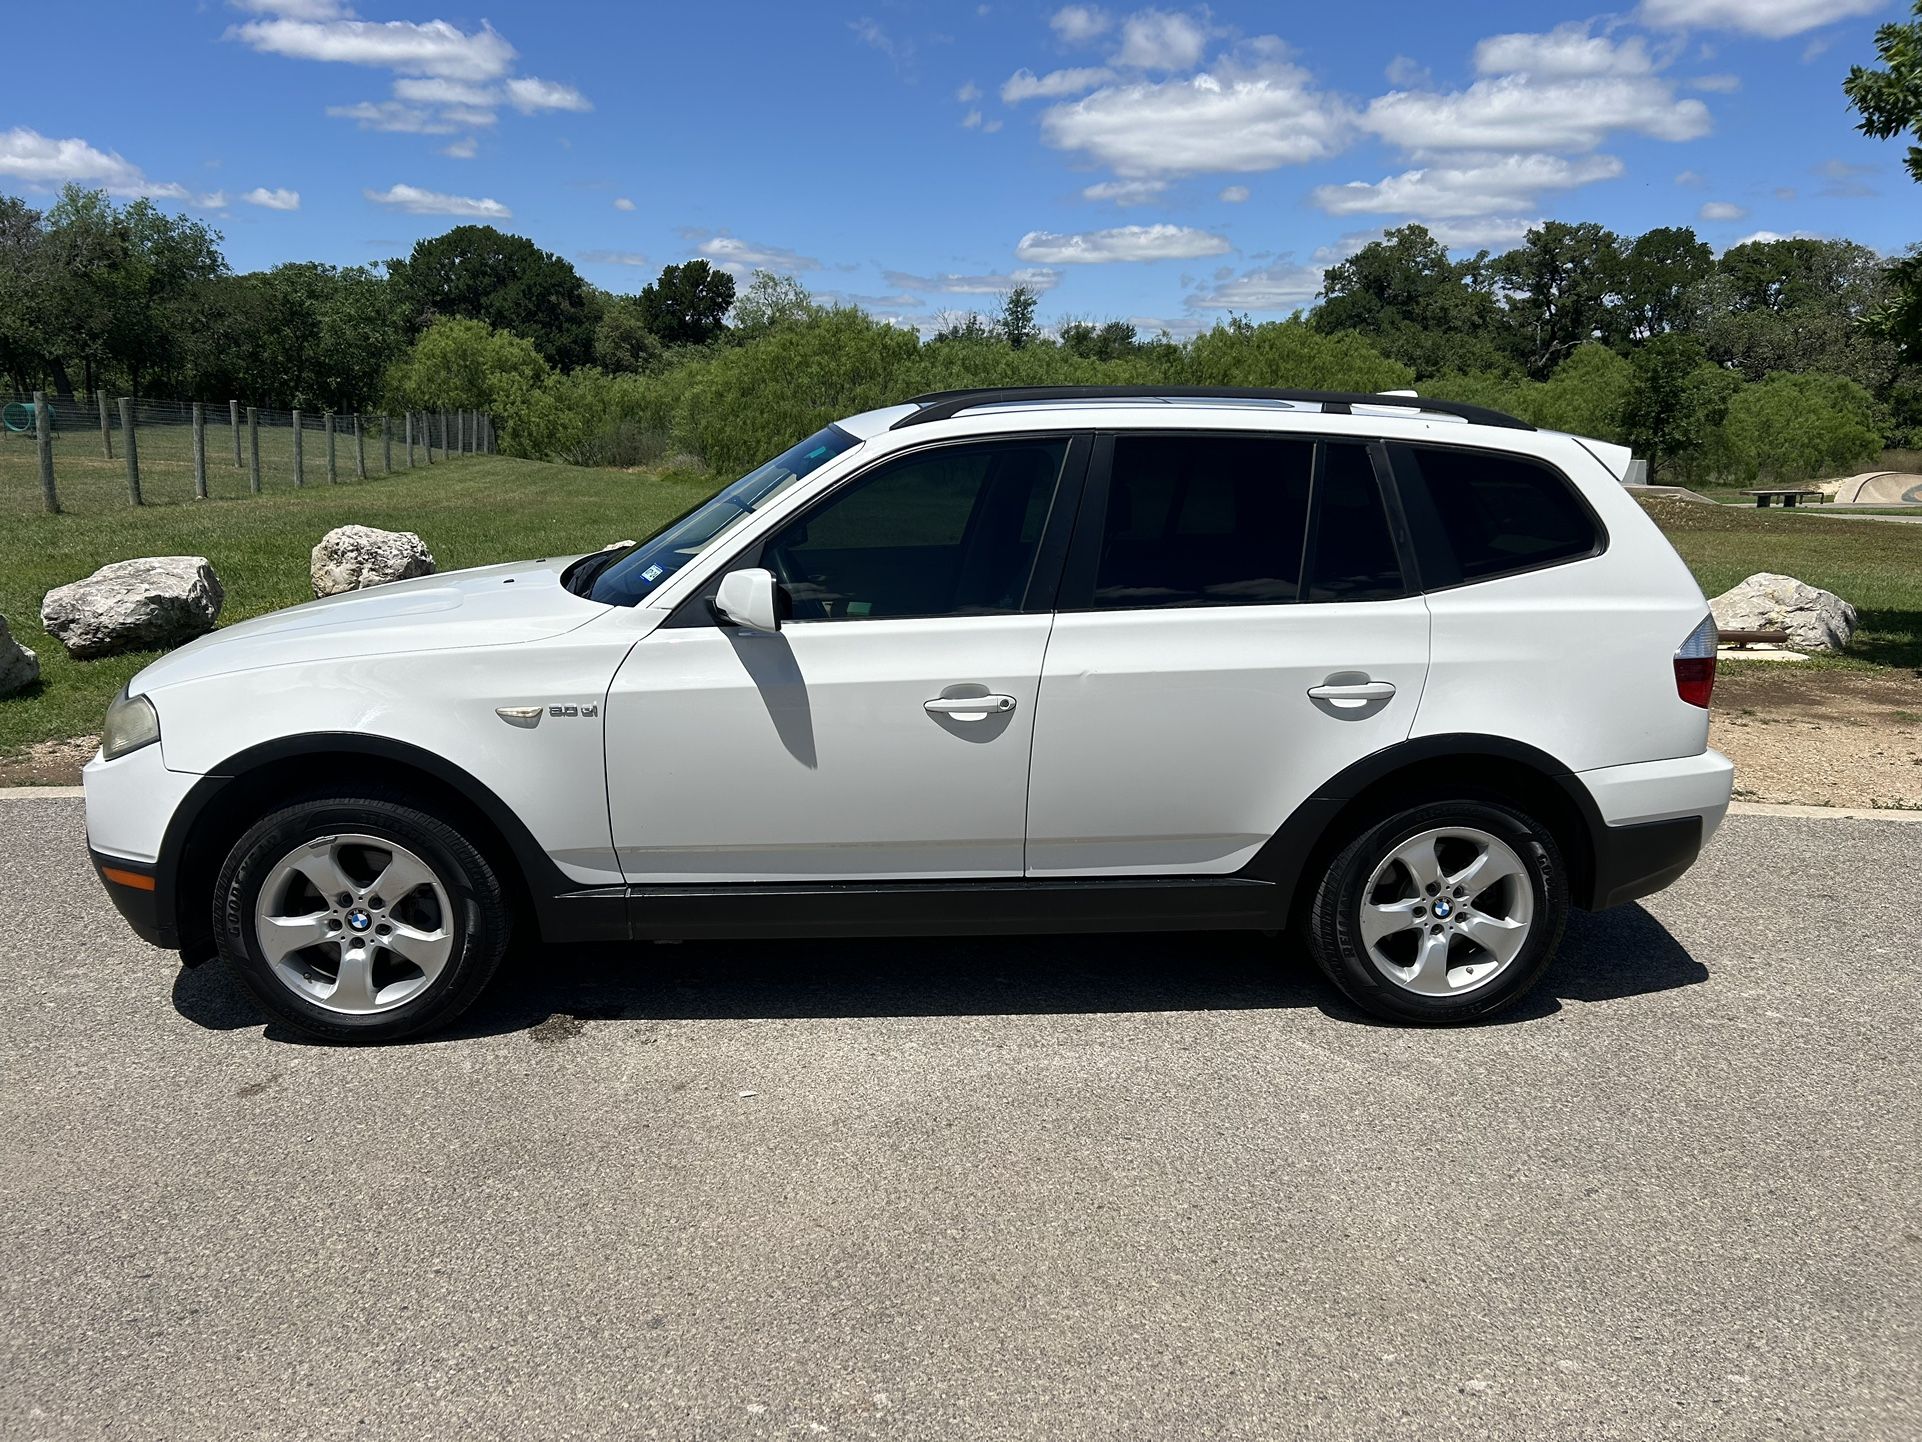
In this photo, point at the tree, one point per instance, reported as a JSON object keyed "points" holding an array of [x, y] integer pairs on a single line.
{"points": [[1561, 285], [688, 303], [1015, 324], [1890, 100], [459, 364], [1669, 407], [1110, 341], [770, 302], [622, 342], [505, 281], [1799, 305], [1661, 273], [1798, 427], [1291, 354], [1415, 304]]}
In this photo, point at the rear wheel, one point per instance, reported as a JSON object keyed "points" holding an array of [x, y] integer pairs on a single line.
{"points": [[360, 918], [1441, 913]]}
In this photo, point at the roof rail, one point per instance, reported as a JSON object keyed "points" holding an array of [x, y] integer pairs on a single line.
{"points": [[940, 405]]}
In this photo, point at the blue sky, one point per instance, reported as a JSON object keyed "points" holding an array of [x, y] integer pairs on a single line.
{"points": [[1163, 164]]}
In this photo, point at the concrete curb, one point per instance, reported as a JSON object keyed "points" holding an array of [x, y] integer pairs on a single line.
{"points": [[1736, 808]]}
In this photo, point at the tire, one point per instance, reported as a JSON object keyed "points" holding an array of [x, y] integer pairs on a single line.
{"points": [[1407, 947], [299, 912]]}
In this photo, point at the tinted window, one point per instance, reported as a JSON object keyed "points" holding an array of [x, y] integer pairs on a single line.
{"points": [[1203, 521], [1353, 553], [1474, 515], [945, 532]]}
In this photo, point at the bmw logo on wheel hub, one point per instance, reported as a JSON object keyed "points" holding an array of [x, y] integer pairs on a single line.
{"points": [[359, 920]]}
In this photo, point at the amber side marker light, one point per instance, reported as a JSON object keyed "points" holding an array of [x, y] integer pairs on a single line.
{"points": [[131, 879]]}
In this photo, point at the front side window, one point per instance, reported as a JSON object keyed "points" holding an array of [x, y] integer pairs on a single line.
{"points": [[949, 531], [1204, 521], [625, 578], [1475, 515]]}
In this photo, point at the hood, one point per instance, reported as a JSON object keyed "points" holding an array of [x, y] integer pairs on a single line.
{"points": [[488, 606]]}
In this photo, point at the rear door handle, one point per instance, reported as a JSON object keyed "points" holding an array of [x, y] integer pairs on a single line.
{"points": [[968, 708], [1354, 691]]}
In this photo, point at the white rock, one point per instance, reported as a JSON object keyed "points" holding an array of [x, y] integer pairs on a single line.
{"points": [[134, 605], [19, 667], [352, 558], [617, 545], [1816, 620]]}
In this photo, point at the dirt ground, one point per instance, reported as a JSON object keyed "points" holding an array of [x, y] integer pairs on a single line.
{"points": [[1815, 737], [1820, 737]]}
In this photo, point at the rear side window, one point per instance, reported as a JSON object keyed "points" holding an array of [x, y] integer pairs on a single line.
{"points": [[1475, 514], [1353, 556], [1204, 521]]}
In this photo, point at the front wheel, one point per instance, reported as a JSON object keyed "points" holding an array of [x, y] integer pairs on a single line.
{"points": [[360, 918], [1442, 913]]}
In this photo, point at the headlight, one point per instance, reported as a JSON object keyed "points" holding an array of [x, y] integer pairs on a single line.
{"points": [[131, 724]]}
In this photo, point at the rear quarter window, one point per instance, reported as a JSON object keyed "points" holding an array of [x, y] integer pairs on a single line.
{"points": [[1475, 515]]}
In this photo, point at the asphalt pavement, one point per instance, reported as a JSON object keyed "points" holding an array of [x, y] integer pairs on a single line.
{"points": [[1127, 1187]]}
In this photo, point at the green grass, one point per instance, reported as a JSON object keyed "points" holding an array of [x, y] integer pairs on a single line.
{"points": [[470, 511], [1878, 569]]}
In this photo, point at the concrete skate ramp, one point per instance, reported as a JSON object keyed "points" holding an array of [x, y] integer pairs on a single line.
{"points": [[1881, 488]]}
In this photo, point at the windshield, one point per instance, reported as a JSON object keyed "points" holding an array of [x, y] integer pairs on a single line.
{"points": [[625, 578]]}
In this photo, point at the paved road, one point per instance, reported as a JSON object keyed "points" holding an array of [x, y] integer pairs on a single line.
{"points": [[1158, 1187]]}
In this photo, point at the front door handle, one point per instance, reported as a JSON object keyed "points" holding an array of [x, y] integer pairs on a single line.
{"points": [[968, 708], [1355, 691]]}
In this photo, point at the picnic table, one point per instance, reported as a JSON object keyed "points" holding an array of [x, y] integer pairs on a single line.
{"points": [[1788, 495]]}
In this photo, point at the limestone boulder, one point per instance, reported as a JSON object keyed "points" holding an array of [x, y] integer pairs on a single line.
{"points": [[136, 605], [1816, 620], [352, 558], [19, 667]]}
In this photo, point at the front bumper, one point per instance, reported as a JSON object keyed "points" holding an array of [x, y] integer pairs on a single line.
{"points": [[134, 889], [130, 803]]}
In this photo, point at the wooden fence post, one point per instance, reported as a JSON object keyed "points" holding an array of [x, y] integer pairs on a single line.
{"points": [[253, 449], [333, 476], [106, 426], [131, 447], [233, 424], [200, 452], [43, 434], [410, 440], [300, 459], [387, 445], [427, 423]]}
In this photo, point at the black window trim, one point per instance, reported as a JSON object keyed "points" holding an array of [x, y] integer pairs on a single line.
{"points": [[1044, 575], [1076, 595], [1399, 462]]}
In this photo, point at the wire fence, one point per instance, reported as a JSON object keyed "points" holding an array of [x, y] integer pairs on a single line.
{"points": [[145, 452]]}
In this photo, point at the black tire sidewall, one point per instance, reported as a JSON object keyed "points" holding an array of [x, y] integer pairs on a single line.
{"points": [[1335, 916], [479, 918]]}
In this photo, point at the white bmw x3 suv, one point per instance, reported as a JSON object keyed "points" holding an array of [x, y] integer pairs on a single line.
{"points": [[1402, 678]]}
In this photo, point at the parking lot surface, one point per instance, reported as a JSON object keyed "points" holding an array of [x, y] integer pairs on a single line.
{"points": [[1143, 1186]]}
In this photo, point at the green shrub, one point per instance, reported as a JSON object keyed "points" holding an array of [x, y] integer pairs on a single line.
{"points": [[1799, 427]]}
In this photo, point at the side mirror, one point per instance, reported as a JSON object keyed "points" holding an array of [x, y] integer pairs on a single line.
{"points": [[747, 599]]}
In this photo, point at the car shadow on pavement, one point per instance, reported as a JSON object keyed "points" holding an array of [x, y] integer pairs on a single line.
{"points": [[552, 992]]}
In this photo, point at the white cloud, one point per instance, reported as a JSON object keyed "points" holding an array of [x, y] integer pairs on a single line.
{"points": [[394, 116], [273, 199], [1039, 279], [466, 148], [432, 47], [1124, 192], [971, 121], [1126, 242], [41, 160], [526, 93], [1764, 237], [1487, 186], [415, 201], [298, 9], [1691, 180], [1716, 84], [738, 256], [1722, 210], [1161, 40], [1234, 194], [968, 93], [1404, 72], [1772, 19], [1520, 113], [437, 90], [1026, 85], [612, 257], [1242, 115], [1282, 286], [1486, 232], [1563, 53], [621, 202], [1078, 24]]}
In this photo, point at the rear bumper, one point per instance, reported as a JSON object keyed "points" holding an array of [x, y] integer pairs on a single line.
{"points": [[134, 889], [1656, 816]]}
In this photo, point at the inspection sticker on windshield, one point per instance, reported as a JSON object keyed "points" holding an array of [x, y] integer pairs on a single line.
{"points": [[652, 573]]}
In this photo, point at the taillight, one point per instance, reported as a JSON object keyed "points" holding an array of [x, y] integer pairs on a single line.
{"points": [[1695, 664]]}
